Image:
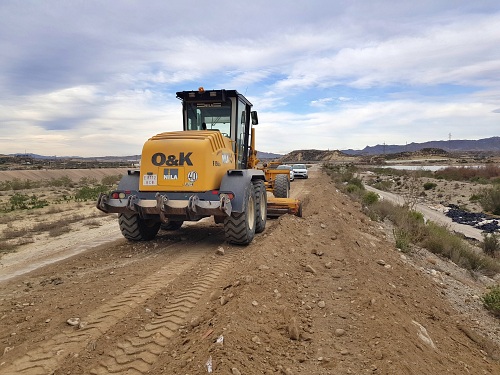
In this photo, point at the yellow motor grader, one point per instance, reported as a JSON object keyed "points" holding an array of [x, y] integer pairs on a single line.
{"points": [[208, 169]]}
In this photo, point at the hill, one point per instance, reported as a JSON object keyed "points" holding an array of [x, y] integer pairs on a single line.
{"points": [[491, 144], [315, 155]]}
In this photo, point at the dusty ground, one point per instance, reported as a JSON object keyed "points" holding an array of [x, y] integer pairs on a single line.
{"points": [[324, 294], [445, 192]]}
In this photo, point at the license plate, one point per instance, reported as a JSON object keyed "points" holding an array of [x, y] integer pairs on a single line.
{"points": [[150, 179]]}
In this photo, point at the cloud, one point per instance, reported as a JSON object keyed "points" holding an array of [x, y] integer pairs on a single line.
{"points": [[94, 78]]}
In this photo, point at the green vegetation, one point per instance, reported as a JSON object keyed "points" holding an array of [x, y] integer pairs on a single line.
{"points": [[491, 300], [384, 185], [491, 244], [490, 199], [370, 198], [86, 189], [24, 202], [90, 193], [429, 185]]}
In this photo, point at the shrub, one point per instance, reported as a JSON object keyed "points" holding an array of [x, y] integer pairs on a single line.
{"points": [[384, 185], [111, 180], [490, 200], [491, 300], [61, 181], [89, 193], [11, 233], [6, 247], [350, 188], [429, 185], [56, 232], [25, 202], [403, 239], [491, 244], [475, 198], [370, 198]]}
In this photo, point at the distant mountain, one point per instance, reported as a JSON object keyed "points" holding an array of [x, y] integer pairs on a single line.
{"points": [[485, 144], [267, 155]]}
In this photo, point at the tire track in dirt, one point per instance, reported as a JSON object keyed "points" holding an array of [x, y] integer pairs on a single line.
{"points": [[136, 354], [50, 355]]}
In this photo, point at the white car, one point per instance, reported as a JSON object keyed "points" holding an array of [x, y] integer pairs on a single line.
{"points": [[300, 170], [292, 174]]}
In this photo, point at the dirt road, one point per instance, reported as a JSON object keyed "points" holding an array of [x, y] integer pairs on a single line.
{"points": [[324, 294]]}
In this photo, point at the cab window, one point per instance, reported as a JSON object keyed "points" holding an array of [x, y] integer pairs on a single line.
{"points": [[212, 116]]}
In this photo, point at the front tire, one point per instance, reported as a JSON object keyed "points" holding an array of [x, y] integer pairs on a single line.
{"points": [[260, 206], [239, 227], [134, 228], [281, 186]]}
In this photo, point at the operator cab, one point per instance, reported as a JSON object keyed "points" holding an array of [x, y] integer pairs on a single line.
{"points": [[226, 111]]}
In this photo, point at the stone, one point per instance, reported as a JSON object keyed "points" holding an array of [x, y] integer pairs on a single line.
{"points": [[310, 269], [321, 304], [73, 322], [339, 332], [293, 329], [220, 251]]}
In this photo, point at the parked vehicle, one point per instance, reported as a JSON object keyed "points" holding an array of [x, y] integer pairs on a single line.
{"points": [[300, 170], [288, 167]]}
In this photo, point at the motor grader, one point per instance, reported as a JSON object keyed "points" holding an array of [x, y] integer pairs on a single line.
{"points": [[208, 169]]}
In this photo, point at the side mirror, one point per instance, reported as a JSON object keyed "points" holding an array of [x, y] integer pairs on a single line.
{"points": [[255, 119]]}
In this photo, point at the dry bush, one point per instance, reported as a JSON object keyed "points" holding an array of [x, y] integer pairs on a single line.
{"points": [[10, 232], [45, 226], [56, 209], [25, 241], [7, 247], [92, 223], [491, 244], [58, 231], [482, 174], [5, 219]]}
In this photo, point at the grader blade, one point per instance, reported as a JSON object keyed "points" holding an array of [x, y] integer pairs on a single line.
{"points": [[281, 206]]}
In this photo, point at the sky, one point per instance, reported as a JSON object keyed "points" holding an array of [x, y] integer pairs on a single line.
{"points": [[98, 78]]}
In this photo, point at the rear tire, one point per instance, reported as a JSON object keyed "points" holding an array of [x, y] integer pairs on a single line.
{"points": [[281, 186], [260, 206], [134, 228], [239, 228]]}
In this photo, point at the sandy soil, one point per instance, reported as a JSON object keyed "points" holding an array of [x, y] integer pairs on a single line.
{"points": [[445, 193], [324, 294]]}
